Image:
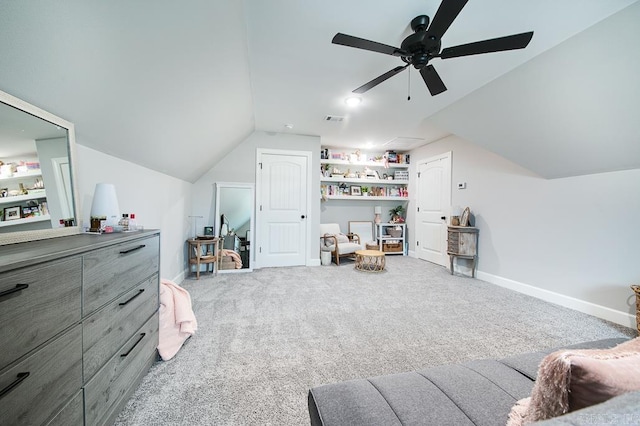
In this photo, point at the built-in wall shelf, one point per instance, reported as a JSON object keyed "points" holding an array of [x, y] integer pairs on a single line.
{"points": [[365, 181], [365, 164], [34, 219], [367, 198]]}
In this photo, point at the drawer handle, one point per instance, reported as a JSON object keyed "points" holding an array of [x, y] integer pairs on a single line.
{"points": [[17, 288], [134, 345], [19, 379], [133, 297], [133, 249]]}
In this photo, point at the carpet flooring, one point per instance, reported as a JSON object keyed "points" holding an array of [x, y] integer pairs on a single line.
{"points": [[266, 337]]}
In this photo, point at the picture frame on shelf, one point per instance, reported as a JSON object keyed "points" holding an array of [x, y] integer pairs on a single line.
{"points": [[355, 190], [12, 213]]}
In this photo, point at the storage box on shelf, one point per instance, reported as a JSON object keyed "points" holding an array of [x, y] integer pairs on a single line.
{"points": [[359, 177]]}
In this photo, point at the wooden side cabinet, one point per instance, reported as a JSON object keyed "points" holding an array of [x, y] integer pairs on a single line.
{"points": [[462, 241]]}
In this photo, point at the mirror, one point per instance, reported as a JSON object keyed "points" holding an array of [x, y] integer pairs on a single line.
{"points": [[37, 196], [234, 223]]}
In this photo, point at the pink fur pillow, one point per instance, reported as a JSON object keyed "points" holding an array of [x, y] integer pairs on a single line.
{"points": [[569, 380]]}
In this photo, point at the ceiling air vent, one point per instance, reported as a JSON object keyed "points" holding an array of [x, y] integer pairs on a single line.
{"points": [[333, 118]]}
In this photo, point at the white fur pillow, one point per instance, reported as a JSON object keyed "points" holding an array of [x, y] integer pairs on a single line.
{"points": [[569, 380]]}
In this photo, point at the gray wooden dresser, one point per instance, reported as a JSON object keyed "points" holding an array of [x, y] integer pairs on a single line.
{"points": [[78, 326]]}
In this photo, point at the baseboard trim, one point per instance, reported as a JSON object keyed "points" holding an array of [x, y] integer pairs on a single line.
{"points": [[599, 311], [181, 277]]}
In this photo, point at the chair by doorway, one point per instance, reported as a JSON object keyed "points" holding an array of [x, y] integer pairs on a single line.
{"points": [[339, 244]]}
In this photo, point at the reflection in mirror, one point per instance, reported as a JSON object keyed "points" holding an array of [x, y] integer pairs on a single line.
{"points": [[36, 179], [234, 223]]}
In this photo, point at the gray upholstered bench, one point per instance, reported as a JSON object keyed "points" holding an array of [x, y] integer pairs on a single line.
{"points": [[479, 392]]}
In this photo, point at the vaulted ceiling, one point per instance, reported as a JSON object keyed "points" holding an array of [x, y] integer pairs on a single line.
{"points": [[174, 86]]}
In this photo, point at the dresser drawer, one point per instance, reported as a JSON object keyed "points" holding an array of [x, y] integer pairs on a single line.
{"points": [[105, 393], [109, 272], [71, 414], [40, 385], [109, 328], [37, 303]]}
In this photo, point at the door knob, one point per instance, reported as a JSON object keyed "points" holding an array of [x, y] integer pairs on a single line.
{"points": [[443, 217], [302, 217]]}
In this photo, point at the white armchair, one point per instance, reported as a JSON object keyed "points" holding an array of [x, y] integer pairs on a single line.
{"points": [[338, 243]]}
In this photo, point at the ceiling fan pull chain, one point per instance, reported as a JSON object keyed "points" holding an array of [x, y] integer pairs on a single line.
{"points": [[409, 86]]}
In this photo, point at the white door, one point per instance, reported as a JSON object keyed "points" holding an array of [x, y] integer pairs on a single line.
{"points": [[282, 209], [433, 206]]}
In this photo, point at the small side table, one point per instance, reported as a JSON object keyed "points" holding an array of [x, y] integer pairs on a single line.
{"points": [[462, 241], [370, 260], [204, 252]]}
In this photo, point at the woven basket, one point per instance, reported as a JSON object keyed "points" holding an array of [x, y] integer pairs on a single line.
{"points": [[391, 247], [371, 246]]}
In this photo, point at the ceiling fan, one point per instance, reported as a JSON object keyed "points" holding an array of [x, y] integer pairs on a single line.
{"points": [[424, 44]]}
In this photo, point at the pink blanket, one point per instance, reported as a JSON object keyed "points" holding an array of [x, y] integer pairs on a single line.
{"points": [[177, 321]]}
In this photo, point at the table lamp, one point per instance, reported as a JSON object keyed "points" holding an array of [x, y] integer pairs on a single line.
{"points": [[105, 204], [377, 210]]}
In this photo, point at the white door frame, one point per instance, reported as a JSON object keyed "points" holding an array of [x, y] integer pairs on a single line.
{"points": [[258, 232]]}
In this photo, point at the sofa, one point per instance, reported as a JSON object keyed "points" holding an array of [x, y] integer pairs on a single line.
{"points": [[479, 392]]}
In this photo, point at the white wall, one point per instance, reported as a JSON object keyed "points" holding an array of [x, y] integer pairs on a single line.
{"points": [[573, 241], [159, 202], [240, 166]]}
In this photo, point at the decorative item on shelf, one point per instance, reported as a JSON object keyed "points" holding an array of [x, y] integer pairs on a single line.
{"points": [[396, 214], [355, 190], [395, 232], [401, 174], [208, 231], [4, 192], [12, 213], [456, 212], [371, 174], [377, 211], [464, 219], [105, 204], [365, 191]]}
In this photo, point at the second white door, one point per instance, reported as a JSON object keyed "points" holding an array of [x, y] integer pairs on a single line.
{"points": [[433, 205]]}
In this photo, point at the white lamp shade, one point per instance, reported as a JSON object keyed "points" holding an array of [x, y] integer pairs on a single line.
{"points": [[377, 210], [105, 203]]}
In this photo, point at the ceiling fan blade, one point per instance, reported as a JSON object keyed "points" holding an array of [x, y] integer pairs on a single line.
{"points": [[373, 83], [446, 14], [432, 80], [512, 42], [360, 43]]}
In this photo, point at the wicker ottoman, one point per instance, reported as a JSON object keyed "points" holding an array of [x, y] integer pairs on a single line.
{"points": [[370, 261]]}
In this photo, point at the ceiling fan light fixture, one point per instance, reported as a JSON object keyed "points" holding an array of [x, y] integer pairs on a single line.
{"points": [[353, 101]]}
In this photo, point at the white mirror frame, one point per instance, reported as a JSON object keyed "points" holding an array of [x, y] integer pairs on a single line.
{"points": [[41, 234], [217, 223]]}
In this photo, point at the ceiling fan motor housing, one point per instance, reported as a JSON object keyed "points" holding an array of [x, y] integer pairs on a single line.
{"points": [[421, 45]]}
